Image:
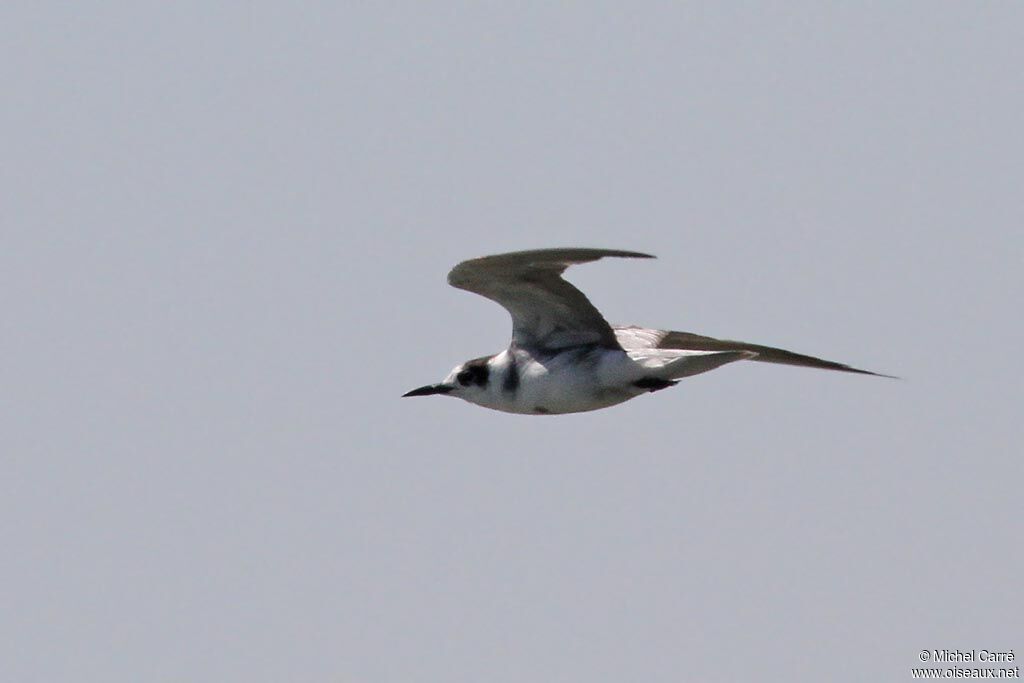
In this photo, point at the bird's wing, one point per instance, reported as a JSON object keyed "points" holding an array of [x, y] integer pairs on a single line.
{"points": [[641, 338], [547, 312]]}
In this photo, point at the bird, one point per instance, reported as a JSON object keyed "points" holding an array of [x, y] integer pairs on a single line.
{"points": [[564, 357]]}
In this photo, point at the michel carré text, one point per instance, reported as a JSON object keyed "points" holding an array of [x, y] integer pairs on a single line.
{"points": [[972, 656]]}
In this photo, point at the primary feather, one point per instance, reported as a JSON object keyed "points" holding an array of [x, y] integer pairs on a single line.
{"points": [[633, 337]]}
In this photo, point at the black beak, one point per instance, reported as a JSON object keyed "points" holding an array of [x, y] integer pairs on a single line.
{"points": [[429, 390]]}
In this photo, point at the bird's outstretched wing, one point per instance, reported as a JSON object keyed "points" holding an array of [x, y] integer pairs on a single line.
{"points": [[642, 338], [547, 312]]}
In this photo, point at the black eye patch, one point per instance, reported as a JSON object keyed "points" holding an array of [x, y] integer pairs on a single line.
{"points": [[474, 374]]}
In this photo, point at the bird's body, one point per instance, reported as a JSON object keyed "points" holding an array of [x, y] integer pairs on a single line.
{"points": [[564, 381], [564, 357]]}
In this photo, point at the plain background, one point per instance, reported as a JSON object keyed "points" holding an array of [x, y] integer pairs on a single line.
{"points": [[226, 228]]}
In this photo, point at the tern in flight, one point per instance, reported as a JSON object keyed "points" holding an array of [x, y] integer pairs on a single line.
{"points": [[564, 356]]}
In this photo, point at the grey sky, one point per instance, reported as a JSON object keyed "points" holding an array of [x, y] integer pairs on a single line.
{"points": [[225, 234]]}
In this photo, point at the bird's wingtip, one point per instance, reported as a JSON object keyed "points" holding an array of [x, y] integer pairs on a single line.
{"points": [[873, 374]]}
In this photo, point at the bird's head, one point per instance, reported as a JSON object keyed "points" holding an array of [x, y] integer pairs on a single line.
{"points": [[467, 381]]}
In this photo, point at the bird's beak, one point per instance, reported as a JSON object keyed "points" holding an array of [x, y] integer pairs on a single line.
{"points": [[429, 390]]}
